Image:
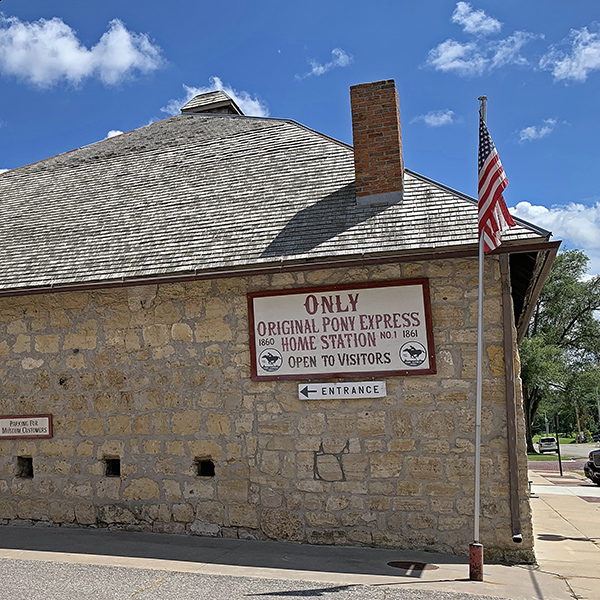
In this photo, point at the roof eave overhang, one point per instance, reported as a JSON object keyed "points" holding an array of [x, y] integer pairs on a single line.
{"points": [[544, 262], [290, 266]]}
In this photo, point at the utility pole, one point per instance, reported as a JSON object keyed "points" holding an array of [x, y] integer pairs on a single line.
{"points": [[579, 430], [558, 444], [598, 404]]}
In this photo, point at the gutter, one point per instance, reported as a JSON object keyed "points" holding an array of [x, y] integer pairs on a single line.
{"points": [[311, 265]]}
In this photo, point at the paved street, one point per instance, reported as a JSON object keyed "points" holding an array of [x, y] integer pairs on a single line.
{"points": [[55, 581], [573, 451], [577, 451], [70, 564]]}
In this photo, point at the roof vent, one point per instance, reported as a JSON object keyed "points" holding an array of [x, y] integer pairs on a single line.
{"points": [[213, 102]]}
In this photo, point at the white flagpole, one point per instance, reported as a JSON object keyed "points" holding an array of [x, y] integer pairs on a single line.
{"points": [[476, 549], [479, 386]]}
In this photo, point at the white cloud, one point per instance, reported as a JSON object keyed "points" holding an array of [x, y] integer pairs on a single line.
{"points": [[470, 59], [3, 171], [474, 21], [528, 134], [45, 52], [455, 57], [578, 61], [576, 222], [507, 51], [478, 56], [252, 106], [113, 133], [339, 58], [436, 118]]}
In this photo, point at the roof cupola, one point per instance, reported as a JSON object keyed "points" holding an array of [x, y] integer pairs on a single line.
{"points": [[212, 102]]}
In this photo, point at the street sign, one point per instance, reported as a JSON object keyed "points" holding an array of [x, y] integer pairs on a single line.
{"points": [[325, 391], [26, 426]]}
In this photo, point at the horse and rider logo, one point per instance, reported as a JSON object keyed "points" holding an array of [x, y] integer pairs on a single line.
{"points": [[270, 360], [413, 354]]}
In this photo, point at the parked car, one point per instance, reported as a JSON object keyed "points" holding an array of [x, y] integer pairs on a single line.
{"points": [[548, 444], [592, 467]]}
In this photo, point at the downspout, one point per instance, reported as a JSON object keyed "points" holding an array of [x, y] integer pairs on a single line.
{"points": [[511, 400]]}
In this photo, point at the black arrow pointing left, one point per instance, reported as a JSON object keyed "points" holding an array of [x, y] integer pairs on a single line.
{"points": [[305, 392]]}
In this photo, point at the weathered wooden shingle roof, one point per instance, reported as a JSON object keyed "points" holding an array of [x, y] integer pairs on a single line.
{"points": [[198, 193]]}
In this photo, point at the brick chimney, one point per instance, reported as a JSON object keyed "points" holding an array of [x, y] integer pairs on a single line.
{"points": [[378, 163]]}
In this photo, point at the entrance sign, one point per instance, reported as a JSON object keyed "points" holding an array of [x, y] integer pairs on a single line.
{"points": [[346, 389], [354, 330], [26, 426]]}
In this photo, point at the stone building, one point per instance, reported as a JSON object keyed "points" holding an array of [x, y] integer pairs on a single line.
{"points": [[169, 299]]}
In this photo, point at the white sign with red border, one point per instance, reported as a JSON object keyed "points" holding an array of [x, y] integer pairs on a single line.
{"points": [[354, 330], [26, 426]]}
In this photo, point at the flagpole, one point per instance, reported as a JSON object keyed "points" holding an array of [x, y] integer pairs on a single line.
{"points": [[476, 548]]}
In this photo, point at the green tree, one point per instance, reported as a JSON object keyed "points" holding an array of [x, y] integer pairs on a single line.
{"points": [[559, 356], [579, 396]]}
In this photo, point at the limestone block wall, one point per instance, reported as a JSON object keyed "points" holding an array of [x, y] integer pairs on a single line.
{"points": [[157, 380]]}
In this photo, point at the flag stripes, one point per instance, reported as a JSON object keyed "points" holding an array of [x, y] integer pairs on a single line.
{"points": [[494, 217]]}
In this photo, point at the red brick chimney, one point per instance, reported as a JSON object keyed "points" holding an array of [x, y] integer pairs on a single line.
{"points": [[378, 163]]}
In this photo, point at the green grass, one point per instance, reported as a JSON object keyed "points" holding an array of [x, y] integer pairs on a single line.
{"points": [[544, 457], [566, 440]]}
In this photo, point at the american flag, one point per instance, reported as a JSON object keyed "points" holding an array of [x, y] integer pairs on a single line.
{"points": [[494, 217]]}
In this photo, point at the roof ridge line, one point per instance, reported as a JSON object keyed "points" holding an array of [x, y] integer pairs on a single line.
{"points": [[474, 201], [281, 119]]}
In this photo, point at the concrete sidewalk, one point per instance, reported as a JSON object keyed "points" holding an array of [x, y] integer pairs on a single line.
{"points": [[339, 566], [566, 519]]}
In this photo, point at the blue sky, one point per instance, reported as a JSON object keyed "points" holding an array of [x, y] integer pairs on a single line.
{"points": [[73, 72]]}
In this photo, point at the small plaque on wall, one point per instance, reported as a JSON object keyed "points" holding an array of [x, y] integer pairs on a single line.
{"points": [[25, 426], [344, 390]]}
